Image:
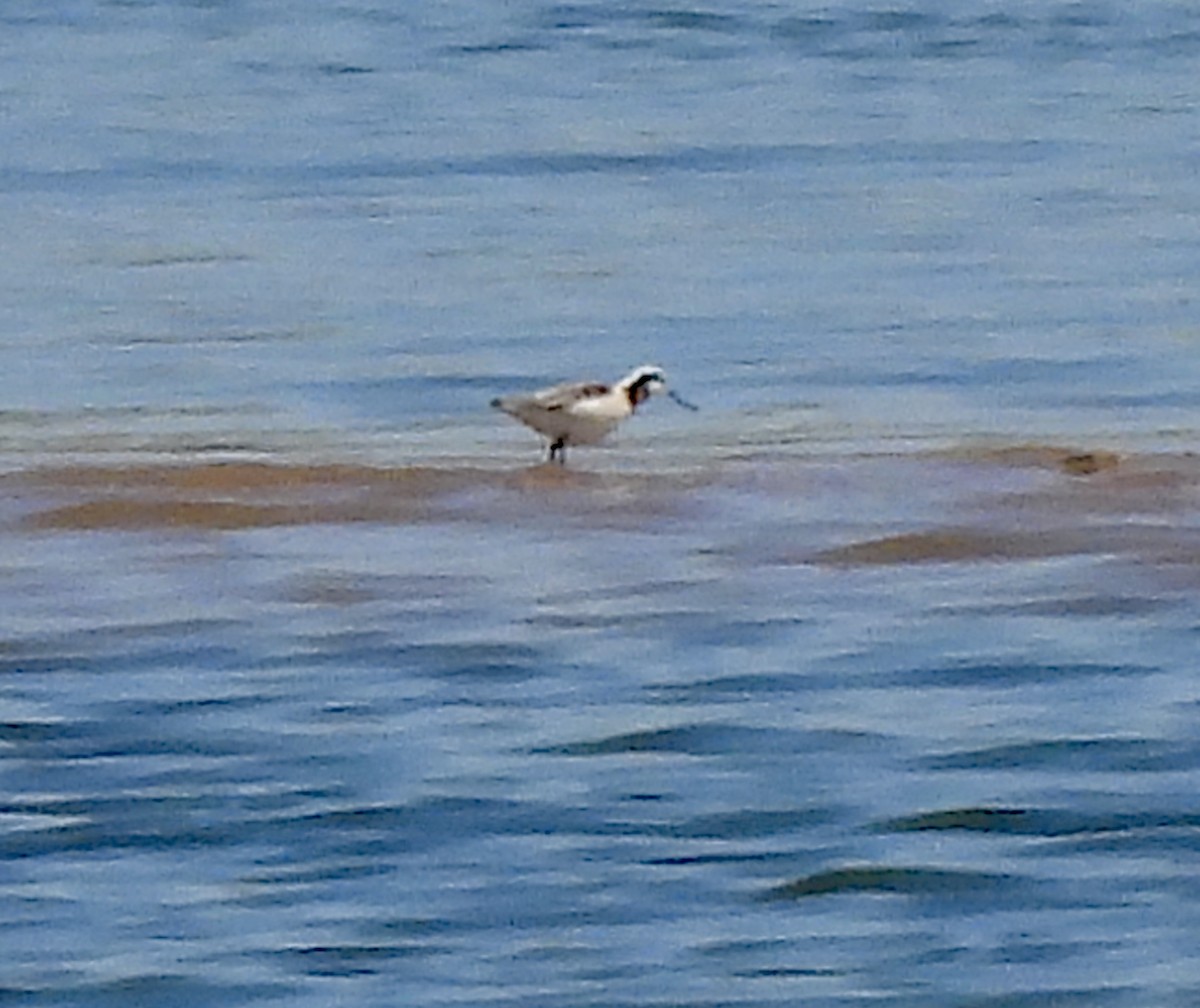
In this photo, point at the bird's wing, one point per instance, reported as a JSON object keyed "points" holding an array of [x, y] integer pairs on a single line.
{"points": [[565, 395]]}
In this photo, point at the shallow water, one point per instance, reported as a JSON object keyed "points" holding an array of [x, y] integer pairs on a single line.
{"points": [[869, 683]]}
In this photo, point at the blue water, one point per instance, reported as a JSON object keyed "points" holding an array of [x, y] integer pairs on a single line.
{"points": [[870, 683]]}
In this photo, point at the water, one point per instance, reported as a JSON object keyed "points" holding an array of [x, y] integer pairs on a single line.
{"points": [[870, 683]]}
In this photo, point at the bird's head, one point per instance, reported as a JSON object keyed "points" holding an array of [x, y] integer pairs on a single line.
{"points": [[641, 383]]}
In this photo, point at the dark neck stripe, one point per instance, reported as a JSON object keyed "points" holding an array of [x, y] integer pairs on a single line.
{"points": [[637, 390]]}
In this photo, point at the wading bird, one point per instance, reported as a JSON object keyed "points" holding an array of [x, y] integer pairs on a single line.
{"points": [[583, 413]]}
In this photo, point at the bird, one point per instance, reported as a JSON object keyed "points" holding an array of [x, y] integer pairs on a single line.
{"points": [[585, 412]]}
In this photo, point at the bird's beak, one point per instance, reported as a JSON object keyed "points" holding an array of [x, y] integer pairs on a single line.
{"points": [[675, 397]]}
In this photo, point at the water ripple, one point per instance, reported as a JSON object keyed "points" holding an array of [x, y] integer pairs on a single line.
{"points": [[1078, 755], [910, 881]]}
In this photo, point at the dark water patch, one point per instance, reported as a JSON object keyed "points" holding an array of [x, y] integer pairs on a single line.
{"points": [[378, 650], [1184, 43], [434, 822], [639, 624], [184, 257], [695, 159], [93, 664], [720, 631], [1081, 15], [748, 857], [352, 960], [680, 19], [985, 820], [1034, 822], [495, 661], [1171, 836], [1100, 606], [344, 70], [569, 17], [690, 627], [146, 990], [342, 832], [668, 588], [149, 710], [387, 830], [789, 972], [987, 675], [82, 740], [898, 20], [234, 335], [1036, 953], [309, 874], [747, 825], [650, 606], [419, 927], [881, 33], [735, 158], [951, 48], [767, 958], [886, 35], [1059, 997], [347, 649], [1076, 755], [914, 881], [742, 946], [808, 33], [330, 588], [728, 689], [24, 733], [1139, 399], [101, 652], [337, 588], [84, 838], [121, 636], [723, 738], [149, 805], [500, 48], [711, 739]]}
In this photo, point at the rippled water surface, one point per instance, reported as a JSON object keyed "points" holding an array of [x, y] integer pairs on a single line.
{"points": [[872, 682]]}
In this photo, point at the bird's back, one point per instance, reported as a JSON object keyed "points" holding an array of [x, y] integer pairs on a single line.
{"points": [[572, 410]]}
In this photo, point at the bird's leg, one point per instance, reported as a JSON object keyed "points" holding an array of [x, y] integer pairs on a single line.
{"points": [[559, 448]]}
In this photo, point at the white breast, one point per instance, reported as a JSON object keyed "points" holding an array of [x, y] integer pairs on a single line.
{"points": [[578, 413]]}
